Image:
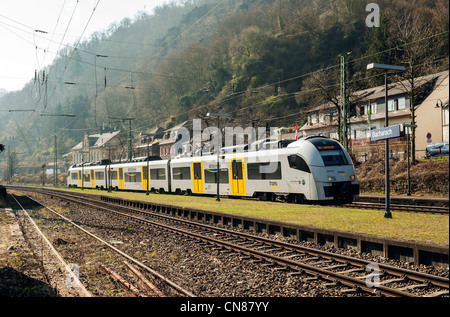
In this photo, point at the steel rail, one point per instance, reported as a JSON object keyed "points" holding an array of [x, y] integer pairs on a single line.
{"points": [[69, 271], [137, 262], [413, 275], [399, 207], [326, 274]]}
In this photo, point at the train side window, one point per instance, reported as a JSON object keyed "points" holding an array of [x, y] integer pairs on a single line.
{"points": [[298, 163], [132, 177], [211, 176], [181, 173], [114, 175], [157, 173], [256, 171]]}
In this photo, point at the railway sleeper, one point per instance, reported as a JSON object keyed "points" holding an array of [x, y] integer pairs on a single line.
{"points": [[355, 290], [394, 280], [412, 287], [336, 266], [334, 283]]}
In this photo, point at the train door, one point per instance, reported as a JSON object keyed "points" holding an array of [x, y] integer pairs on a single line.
{"points": [[197, 179], [80, 179], [92, 179], [237, 177], [145, 177], [121, 179]]}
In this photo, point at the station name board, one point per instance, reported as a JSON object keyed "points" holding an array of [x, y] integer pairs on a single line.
{"points": [[385, 133]]}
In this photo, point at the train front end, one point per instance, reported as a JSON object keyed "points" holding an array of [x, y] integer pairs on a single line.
{"points": [[333, 170]]}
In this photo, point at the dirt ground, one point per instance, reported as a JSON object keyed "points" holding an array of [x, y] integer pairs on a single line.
{"points": [[23, 273], [20, 274]]}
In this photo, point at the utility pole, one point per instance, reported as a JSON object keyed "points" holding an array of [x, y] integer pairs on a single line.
{"points": [[55, 165], [130, 147], [130, 136], [343, 129], [55, 173]]}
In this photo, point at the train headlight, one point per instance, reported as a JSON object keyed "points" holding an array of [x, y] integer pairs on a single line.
{"points": [[331, 178], [352, 177]]}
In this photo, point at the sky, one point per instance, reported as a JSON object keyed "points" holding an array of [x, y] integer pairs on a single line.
{"points": [[25, 47]]}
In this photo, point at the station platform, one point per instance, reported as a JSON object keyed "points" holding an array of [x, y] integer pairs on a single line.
{"points": [[405, 199]]}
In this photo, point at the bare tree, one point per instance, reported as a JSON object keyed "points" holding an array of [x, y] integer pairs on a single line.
{"points": [[415, 38]]}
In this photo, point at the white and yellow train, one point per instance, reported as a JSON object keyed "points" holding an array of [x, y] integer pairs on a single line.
{"points": [[313, 169]]}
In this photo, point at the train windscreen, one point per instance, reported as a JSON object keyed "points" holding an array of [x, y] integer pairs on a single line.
{"points": [[330, 151]]}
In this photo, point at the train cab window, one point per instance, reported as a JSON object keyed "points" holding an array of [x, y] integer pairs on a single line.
{"points": [[181, 173], [74, 176], [333, 157], [298, 163], [263, 171], [330, 151], [157, 173]]}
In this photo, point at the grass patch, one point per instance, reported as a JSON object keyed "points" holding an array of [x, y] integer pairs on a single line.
{"points": [[421, 228]]}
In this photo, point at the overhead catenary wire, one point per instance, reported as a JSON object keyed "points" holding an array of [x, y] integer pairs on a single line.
{"points": [[285, 80], [78, 42]]}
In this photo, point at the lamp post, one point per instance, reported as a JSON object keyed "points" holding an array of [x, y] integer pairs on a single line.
{"points": [[218, 115], [406, 125], [441, 105], [148, 156], [386, 69]]}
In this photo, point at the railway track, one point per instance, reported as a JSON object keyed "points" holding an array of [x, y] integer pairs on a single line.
{"points": [[350, 274], [362, 205], [398, 207], [153, 290]]}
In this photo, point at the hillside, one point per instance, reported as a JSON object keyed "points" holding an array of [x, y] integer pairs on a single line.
{"points": [[428, 177], [252, 59]]}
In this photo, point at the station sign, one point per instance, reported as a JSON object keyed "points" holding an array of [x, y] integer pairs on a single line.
{"points": [[385, 133]]}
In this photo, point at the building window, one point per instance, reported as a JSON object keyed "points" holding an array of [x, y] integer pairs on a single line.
{"points": [[391, 106], [401, 103], [373, 108], [334, 116]]}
